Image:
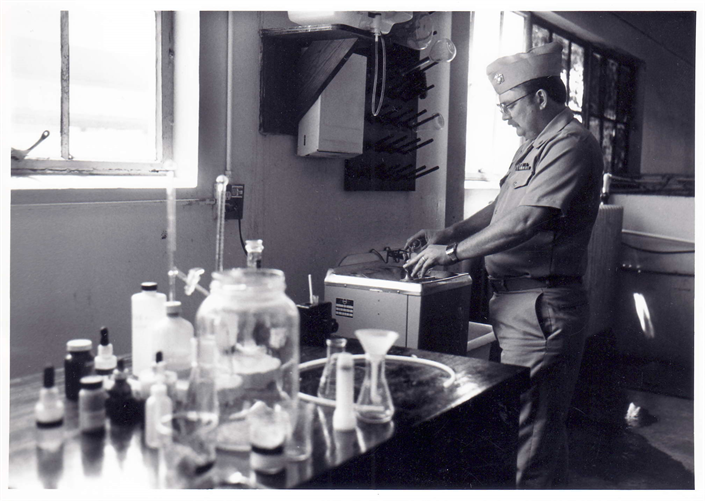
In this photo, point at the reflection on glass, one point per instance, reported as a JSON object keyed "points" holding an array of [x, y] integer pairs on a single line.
{"points": [[92, 453], [607, 143], [611, 90], [577, 71], [595, 127], [565, 57], [50, 466], [620, 149], [539, 36], [626, 92], [595, 69]]}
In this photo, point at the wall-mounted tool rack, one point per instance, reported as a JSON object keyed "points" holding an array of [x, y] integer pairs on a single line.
{"points": [[298, 63]]}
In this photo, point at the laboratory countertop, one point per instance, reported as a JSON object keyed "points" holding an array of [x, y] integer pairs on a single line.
{"points": [[462, 436]]}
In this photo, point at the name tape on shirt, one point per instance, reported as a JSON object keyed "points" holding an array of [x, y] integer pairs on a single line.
{"points": [[524, 166]]}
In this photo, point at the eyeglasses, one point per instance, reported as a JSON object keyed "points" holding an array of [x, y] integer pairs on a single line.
{"points": [[506, 107]]}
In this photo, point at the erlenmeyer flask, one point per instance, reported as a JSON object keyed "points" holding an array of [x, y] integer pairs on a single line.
{"points": [[326, 386], [374, 403]]}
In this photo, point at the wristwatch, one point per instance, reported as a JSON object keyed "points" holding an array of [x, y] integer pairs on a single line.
{"points": [[452, 252]]}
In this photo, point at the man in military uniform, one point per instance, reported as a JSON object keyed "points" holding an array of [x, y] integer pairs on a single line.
{"points": [[534, 237]]}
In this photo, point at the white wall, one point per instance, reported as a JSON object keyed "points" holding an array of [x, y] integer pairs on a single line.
{"points": [[74, 266]]}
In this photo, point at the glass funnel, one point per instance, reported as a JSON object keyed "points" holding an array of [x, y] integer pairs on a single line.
{"points": [[375, 400]]}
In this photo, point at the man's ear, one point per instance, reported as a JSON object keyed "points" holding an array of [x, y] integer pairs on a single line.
{"points": [[542, 96]]}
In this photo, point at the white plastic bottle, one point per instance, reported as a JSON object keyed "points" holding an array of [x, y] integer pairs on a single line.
{"points": [[147, 309], [173, 336], [49, 414], [158, 405]]}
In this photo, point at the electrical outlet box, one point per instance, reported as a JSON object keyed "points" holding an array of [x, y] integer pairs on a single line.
{"points": [[234, 201]]}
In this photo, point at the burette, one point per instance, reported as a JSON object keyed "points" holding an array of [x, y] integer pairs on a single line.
{"points": [[221, 184], [194, 274]]}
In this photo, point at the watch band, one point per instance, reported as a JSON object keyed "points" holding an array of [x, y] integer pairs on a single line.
{"points": [[452, 252]]}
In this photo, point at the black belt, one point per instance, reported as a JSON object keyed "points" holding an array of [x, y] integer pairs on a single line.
{"points": [[515, 284]]}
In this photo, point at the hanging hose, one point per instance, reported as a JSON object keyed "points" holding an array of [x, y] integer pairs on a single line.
{"points": [[375, 112]]}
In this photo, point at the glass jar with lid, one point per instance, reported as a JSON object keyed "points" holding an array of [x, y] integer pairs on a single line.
{"points": [[255, 328]]}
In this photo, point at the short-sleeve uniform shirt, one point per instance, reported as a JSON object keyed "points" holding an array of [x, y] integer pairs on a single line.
{"points": [[561, 169]]}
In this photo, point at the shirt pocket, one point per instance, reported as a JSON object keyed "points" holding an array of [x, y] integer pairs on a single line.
{"points": [[520, 178]]}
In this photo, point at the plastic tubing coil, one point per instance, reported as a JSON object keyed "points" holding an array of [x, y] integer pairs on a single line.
{"points": [[414, 360]]}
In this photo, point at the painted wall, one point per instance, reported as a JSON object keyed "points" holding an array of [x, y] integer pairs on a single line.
{"points": [[74, 266]]}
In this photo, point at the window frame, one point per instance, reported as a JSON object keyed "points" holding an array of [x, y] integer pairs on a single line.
{"points": [[164, 131]]}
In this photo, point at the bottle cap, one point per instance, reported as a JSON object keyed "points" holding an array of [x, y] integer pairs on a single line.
{"points": [[79, 345], [49, 376], [121, 364], [91, 382], [104, 339], [159, 357], [173, 308], [254, 245], [149, 286]]}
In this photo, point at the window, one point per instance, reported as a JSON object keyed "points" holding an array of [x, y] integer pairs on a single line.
{"points": [[601, 90], [490, 142], [102, 82], [600, 85]]}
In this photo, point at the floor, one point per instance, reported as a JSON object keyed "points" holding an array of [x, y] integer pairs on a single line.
{"points": [[631, 426]]}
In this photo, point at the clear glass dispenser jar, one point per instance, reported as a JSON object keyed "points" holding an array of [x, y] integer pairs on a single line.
{"points": [[255, 327]]}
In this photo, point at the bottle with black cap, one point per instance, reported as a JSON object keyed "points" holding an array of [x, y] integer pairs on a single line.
{"points": [[105, 361], [49, 413], [121, 406], [79, 362]]}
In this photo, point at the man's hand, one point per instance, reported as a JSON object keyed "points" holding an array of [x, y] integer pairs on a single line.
{"points": [[427, 237], [429, 257]]}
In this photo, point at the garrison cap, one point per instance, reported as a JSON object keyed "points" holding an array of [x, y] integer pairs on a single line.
{"points": [[509, 71]]}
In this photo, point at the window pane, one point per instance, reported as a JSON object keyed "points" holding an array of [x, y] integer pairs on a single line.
{"points": [[490, 142], [607, 142], [626, 93], [566, 57], [595, 127], [113, 85], [577, 72], [610, 86], [539, 36], [36, 79], [595, 95], [620, 149]]}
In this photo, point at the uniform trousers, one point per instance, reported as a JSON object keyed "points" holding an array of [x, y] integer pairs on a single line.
{"points": [[543, 329]]}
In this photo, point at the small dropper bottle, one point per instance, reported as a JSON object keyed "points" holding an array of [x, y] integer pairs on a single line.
{"points": [[121, 406], [148, 376], [105, 361], [157, 406], [49, 413]]}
